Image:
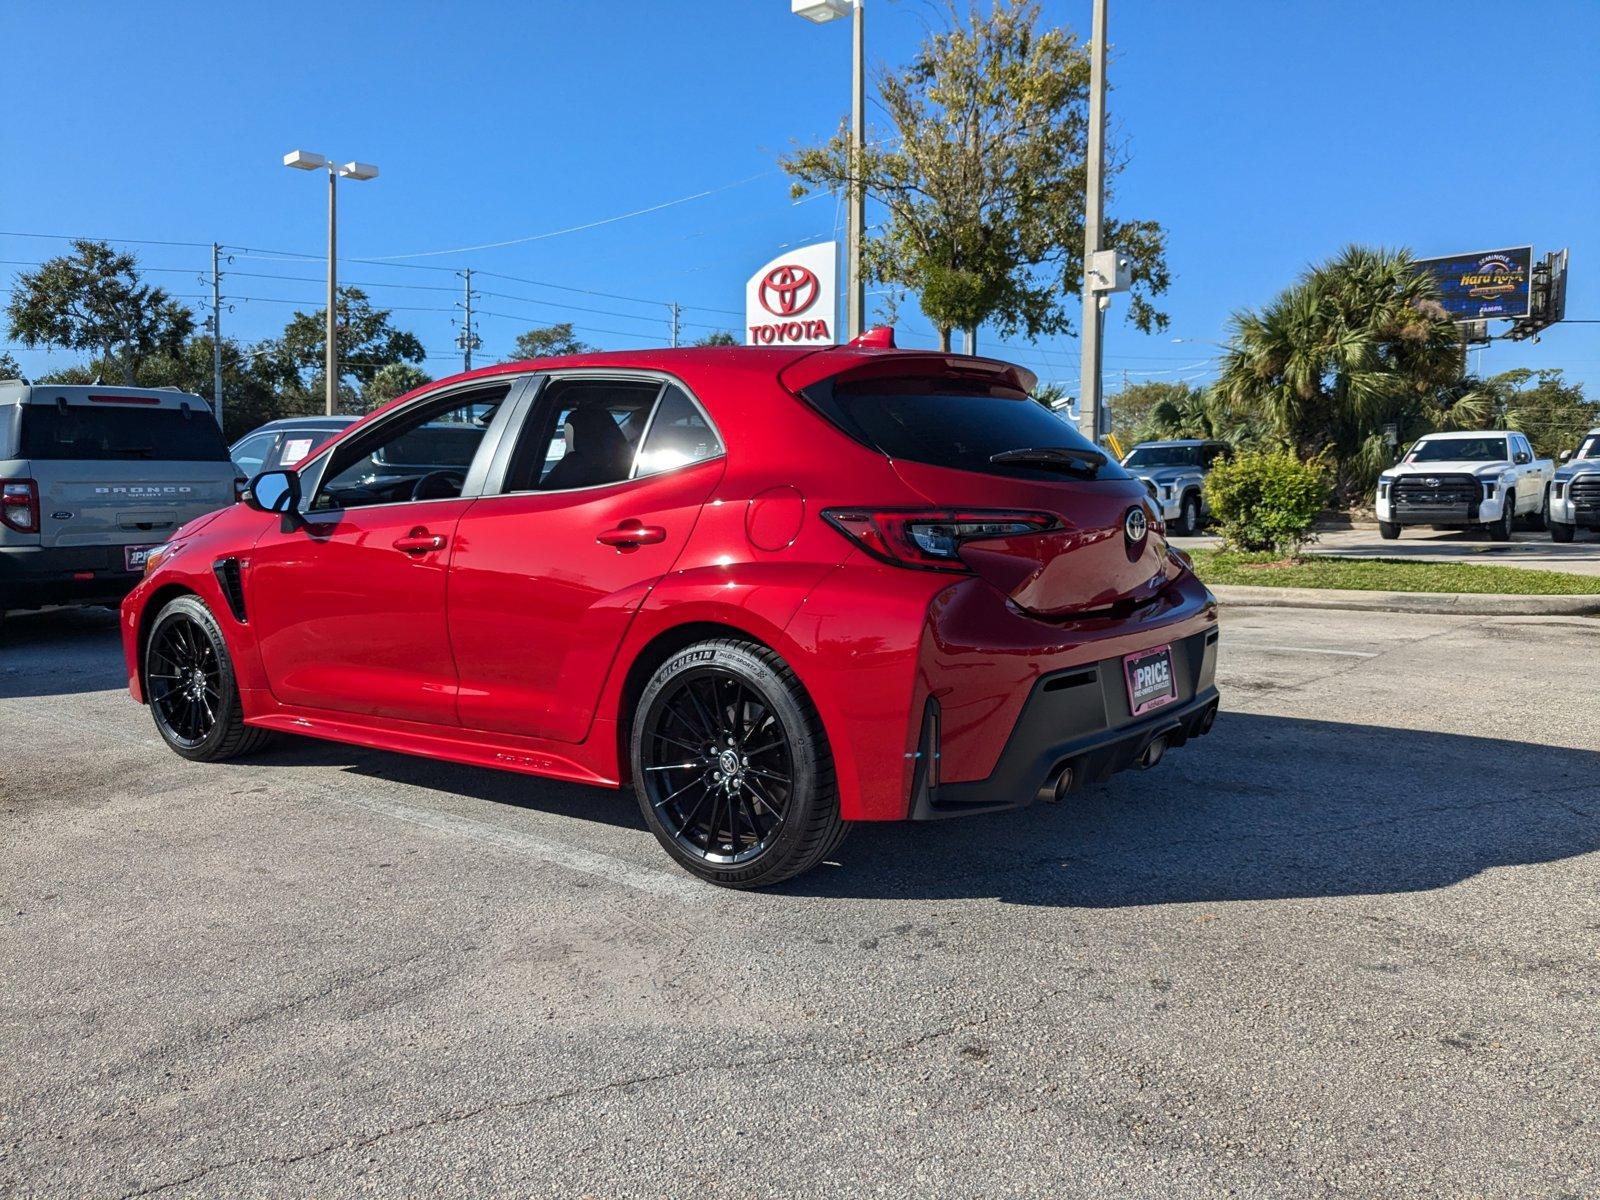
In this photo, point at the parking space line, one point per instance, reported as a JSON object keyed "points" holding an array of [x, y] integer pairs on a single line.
{"points": [[589, 862], [1303, 649]]}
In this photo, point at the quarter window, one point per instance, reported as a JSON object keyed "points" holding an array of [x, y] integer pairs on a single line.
{"points": [[679, 435]]}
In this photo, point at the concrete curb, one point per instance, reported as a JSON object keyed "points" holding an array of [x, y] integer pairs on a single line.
{"points": [[1456, 603]]}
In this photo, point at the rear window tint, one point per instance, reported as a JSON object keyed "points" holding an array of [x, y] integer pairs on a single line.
{"points": [[952, 423], [100, 433]]}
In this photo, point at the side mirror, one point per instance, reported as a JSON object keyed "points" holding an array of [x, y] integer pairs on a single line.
{"points": [[274, 492], [1523, 457], [1566, 456]]}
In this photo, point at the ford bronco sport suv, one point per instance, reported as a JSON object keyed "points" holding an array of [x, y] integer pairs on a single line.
{"points": [[90, 478]]}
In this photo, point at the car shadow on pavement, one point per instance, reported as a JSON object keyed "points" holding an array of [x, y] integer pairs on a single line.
{"points": [[1264, 808], [60, 652], [606, 806]]}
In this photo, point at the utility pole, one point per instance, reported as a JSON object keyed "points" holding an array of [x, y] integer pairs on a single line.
{"points": [[469, 340], [216, 331], [1089, 421], [675, 310]]}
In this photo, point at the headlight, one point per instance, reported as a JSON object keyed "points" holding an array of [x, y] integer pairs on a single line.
{"points": [[1169, 489], [1488, 489], [1558, 490]]}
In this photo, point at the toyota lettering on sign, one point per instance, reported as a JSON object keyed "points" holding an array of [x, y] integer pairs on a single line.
{"points": [[791, 300]]}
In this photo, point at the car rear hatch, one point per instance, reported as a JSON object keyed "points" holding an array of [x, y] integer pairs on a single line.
{"points": [[965, 436], [122, 467]]}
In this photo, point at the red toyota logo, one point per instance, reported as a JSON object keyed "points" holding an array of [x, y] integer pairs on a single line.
{"points": [[787, 290]]}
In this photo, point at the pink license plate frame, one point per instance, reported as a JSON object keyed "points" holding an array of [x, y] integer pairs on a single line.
{"points": [[1143, 695]]}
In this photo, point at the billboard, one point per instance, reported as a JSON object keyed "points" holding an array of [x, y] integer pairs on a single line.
{"points": [[1489, 285], [791, 300]]}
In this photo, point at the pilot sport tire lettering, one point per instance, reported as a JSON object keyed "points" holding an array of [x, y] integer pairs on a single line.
{"points": [[190, 686], [732, 767]]}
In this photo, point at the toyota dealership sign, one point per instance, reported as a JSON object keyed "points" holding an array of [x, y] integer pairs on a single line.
{"points": [[791, 300]]}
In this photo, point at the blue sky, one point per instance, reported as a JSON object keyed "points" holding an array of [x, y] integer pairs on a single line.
{"points": [[1262, 134]]}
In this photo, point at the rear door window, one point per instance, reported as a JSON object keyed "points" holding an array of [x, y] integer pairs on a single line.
{"points": [[951, 422], [583, 433], [100, 433]]}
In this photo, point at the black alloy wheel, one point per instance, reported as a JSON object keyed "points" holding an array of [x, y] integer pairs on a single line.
{"points": [[718, 767], [190, 686], [732, 767], [184, 675]]}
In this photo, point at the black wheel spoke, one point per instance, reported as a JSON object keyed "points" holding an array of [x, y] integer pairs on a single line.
{"points": [[717, 766]]}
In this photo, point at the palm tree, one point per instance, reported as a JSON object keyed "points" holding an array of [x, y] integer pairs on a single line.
{"points": [[1355, 344]]}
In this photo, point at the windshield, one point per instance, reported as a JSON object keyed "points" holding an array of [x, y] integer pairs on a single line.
{"points": [[101, 433], [1486, 449], [1163, 456], [953, 422], [1590, 447]]}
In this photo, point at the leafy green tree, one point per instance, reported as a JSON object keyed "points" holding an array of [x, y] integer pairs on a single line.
{"points": [[10, 368], [984, 178], [1357, 343], [718, 337], [1132, 406], [396, 379], [93, 299], [368, 341], [547, 341], [1542, 404]]}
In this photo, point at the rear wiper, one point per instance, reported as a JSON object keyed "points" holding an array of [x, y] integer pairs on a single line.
{"points": [[1060, 458]]}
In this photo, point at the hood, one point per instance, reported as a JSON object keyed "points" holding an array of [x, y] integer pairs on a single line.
{"points": [[1448, 467], [1163, 474], [1578, 466]]}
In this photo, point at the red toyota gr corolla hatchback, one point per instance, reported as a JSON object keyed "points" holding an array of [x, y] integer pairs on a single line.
{"points": [[776, 590]]}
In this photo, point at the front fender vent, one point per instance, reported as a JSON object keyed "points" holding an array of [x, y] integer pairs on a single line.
{"points": [[227, 572]]}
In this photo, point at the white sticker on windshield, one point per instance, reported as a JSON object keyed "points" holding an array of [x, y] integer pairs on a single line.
{"points": [[294, 450]]}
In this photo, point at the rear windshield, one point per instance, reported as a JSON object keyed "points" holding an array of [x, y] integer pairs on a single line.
{"points": [[953, 423], [99, 433], [1163, 456]]}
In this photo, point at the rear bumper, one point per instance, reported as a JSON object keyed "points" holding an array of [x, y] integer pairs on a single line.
{"points": [[37, 576], [1075, 729]]}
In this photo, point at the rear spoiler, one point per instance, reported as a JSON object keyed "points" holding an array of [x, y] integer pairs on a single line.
{"points": [[856, 362]]}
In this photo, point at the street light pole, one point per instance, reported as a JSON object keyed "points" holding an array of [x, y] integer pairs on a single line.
{"points": [[819, 11], [331, 334], [1093, 215], [302, 161]]}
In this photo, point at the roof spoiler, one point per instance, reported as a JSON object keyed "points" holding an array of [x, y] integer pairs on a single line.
{"points": [[878, 358]]}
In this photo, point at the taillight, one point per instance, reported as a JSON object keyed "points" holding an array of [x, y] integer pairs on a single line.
{"points": [[19, 505], [929, 539]]}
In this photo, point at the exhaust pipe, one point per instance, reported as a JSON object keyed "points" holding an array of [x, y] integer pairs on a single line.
{"points": [[1153, 752], [1056, 788], [1207, 719]]}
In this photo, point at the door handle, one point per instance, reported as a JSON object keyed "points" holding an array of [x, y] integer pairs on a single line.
{"points": [[419, 541], [631, 534]]}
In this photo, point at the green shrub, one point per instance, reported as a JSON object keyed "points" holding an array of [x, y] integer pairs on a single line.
{"points": [[1266, 500]]}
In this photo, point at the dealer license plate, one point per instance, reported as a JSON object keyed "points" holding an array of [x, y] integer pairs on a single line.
{"points": [[1151, 682], [133, 557]]}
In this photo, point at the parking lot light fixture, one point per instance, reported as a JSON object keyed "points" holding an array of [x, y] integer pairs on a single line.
{"points": [[820, 11], [302, 160]]}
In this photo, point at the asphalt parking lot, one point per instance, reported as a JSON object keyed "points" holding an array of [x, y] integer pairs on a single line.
{"points": [[1349, 945]]}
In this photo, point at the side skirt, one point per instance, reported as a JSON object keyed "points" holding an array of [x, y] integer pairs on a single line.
{"points": [[528, 756]]}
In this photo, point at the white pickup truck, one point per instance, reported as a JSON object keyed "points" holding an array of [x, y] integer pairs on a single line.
{"points": [[1466, 480]]}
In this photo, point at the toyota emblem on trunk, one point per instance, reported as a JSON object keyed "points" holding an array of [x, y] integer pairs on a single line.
{"points": [[1134, 525]]}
